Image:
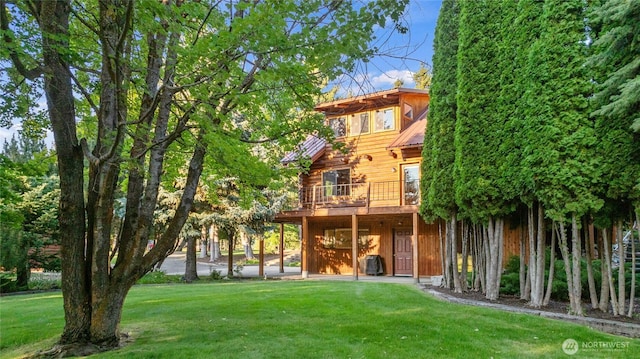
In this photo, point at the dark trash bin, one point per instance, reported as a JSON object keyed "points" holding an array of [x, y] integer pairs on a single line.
{"points": [[374, 265]]}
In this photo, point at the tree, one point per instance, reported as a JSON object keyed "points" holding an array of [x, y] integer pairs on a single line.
{"points": [[615, 67], [438, 154], [561, 163], [483, 193], [423, 76], [28, 203], [618, 51], [160, 88], [521, 28]]}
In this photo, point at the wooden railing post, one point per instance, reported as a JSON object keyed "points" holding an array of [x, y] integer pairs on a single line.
{"points": [[313, 198], [368, 194]]}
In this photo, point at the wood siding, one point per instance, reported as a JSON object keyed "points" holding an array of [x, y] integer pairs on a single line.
{"points": [[381, 228]]}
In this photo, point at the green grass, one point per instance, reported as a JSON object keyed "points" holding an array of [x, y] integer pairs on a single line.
{"points": [[304, 319]]}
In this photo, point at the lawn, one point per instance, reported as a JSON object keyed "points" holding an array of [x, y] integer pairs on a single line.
{"points": [[307, 319]]}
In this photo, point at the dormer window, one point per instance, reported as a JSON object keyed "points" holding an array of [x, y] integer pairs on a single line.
{"points": [[408, 111], [339, 126], [359, 124], [384, 120]]}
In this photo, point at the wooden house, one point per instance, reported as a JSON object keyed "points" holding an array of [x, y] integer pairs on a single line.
{"points": [[358, 208]]}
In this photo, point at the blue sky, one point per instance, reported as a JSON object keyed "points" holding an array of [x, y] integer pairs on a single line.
{"points": [[401, 55]]}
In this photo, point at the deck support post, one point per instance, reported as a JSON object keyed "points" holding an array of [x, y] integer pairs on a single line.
{"points": [[281, 248], [416, 256], [304, 248], [261, 257], [354, 245]]}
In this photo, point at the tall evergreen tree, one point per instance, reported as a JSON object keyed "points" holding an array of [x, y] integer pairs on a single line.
{"points": [[438, 194], [560, 157], [618, 54], [521, 28], [615, 62], [481, 191]]}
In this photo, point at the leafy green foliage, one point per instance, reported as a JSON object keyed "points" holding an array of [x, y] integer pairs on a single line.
{"points": [[437, 181], [480, 133], [559, 136], [616, 67], [617, 55]]}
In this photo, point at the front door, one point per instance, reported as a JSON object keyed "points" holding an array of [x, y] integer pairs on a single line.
{"points": [[403, 252]]}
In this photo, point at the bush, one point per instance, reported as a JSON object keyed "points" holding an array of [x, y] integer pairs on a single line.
{"points": [[510, 282], [7, 283], [44, 283], [159, 277], [215, 275]]}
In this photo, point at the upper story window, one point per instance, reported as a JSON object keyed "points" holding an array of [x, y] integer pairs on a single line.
{"points": [[337, 182], [359, 124], [339, 126], [384, 120], [411, 184]]}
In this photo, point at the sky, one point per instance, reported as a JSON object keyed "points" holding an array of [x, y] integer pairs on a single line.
{"points": [[400, 56]]}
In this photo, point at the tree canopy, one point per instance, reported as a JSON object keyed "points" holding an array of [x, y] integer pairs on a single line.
{"points": [[150, 91]]}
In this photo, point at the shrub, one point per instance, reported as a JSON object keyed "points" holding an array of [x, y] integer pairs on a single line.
{"points": [[44, 283], [7, 283], [159, 277], [215, 275]]}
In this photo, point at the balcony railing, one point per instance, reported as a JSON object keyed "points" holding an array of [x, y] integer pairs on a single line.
{"points": [[360, 194]]}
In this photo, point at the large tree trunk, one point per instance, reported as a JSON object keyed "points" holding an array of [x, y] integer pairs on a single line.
{"points": [[576, 251], [525, 287], [622, 295], [552, 265], [23, 268], [536, 255], [609, 272], [191, 264], [203, 242], [589, 253], [232, 239], [572, 267], [493, 252], [453, 243], [603, 305], [54, 21], [447, 275], [465, 255], [478, 258], [246, 245], [443, 256], [214, 240], [632, 292]]}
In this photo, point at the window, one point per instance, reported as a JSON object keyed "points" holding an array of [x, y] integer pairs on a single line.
{"points": [[339, 126], [384, 120], [359, 123], [408, 111], [341, 238], [411, 184], [336, 182]]}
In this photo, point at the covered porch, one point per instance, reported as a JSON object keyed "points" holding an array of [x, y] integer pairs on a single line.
{"points": [[338, 241]]}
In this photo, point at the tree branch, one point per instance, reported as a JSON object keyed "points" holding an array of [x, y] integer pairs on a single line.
{"points": [[30, 74]]}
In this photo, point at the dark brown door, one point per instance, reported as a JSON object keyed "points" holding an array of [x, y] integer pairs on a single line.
{"points": [[403, 252]]}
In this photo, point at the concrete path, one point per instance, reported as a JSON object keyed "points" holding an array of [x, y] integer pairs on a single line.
{"points": [[175, 264]]}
